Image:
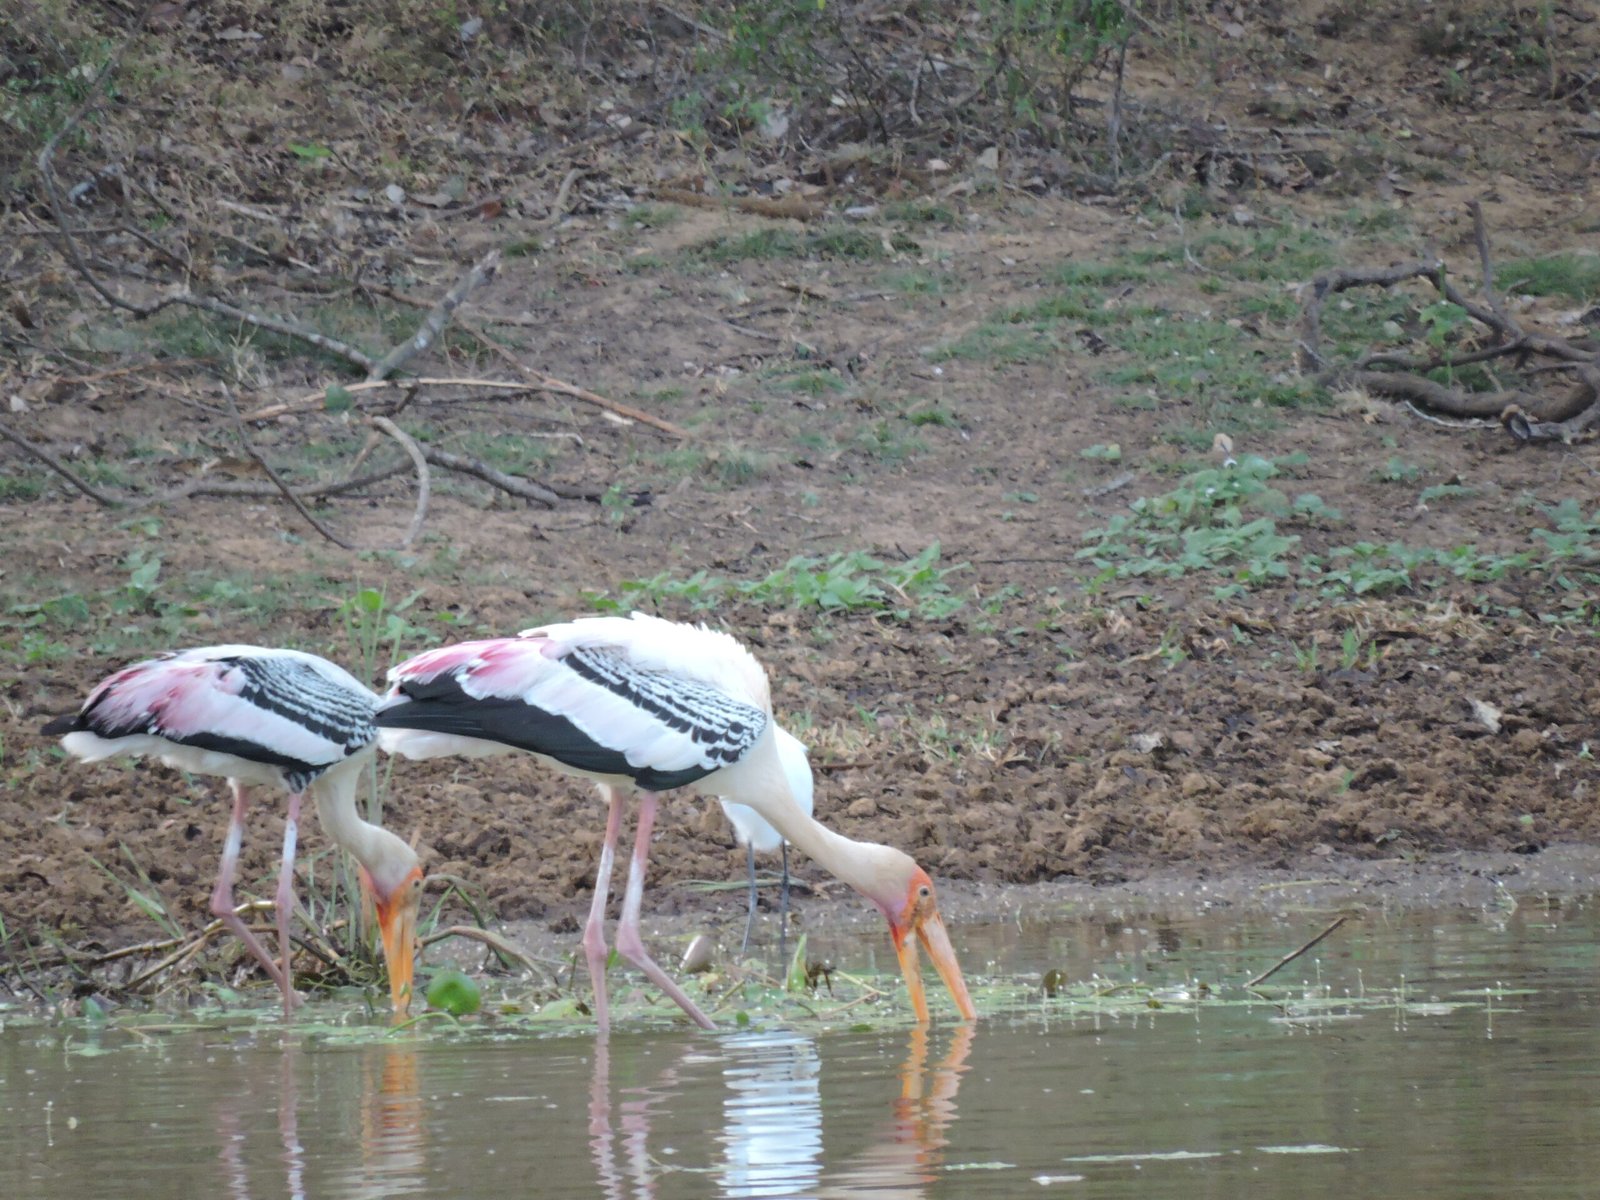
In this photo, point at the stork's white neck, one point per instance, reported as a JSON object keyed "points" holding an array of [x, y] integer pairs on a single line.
{"points": [[387, 858], [758, 781]]}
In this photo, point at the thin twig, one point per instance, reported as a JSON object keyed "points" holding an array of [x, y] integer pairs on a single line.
{"points": [[548, 383], [60, 468], [501, 946], [433, 324], [1480, 235], [1290, 957], [558, 206], [499, 479], [272, 324], [412, 449], [288, 494]]}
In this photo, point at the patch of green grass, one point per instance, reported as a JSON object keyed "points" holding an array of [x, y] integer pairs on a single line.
{"points": [[1575, 276], [919, 212], [653, 216], [1398, 470], [812, 383], [1268, 254], [917, 281], [998, 342], [931, 413], [1229, 522], [22, 487], [842, 582], [887, 442], [827, 242]]}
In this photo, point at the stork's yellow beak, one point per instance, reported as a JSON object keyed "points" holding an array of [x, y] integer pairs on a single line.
{"points": [[927, 929], [397, 925]]}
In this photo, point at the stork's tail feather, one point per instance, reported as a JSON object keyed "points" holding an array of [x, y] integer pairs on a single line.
{"points": [[66, 723]]}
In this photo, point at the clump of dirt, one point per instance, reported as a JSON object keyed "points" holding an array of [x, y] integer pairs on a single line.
{"points": [[1051, 727]]}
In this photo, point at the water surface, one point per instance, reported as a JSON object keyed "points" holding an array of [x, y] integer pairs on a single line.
{"points": [[1435, 1055]]}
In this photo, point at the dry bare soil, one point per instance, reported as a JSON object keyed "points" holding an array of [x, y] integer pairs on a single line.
{"points": [[994, 366]]}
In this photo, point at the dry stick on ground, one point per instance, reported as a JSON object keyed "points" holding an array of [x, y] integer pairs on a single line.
{"points": [[1292, 955], [548, 383], [506, 483], [1405, 377], [423, 485], [502, 946], [288, 494], [438, 316], [60, 468]]}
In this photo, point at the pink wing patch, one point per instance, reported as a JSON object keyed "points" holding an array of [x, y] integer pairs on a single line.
{"points": [[180, 697], [505, 667]]}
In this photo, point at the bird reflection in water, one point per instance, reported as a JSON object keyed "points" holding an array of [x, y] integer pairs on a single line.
{"points": [[634, 1165], [232, 1135], [772, 1115], [906, 1156], [390, 1116], [773, 1123], [392, 1155]]}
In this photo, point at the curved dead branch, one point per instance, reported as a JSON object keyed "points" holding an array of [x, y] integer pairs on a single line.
{"points": [[1528, 413], [423, 486]]}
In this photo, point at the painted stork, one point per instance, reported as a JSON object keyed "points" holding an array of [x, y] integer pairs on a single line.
{"points": [[653, 705], [263, 717], [755, 834]]}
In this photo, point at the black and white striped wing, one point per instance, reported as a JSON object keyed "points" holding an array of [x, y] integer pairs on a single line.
{"points": [[279, 708], [587, 708]]}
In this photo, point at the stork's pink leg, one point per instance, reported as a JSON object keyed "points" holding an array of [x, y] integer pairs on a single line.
{"points": [[284, 900], [629, 942], [594, 932], [222, 895]]}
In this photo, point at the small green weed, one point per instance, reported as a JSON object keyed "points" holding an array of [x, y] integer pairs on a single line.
{"points": [[838, 583], [1574, 276]]}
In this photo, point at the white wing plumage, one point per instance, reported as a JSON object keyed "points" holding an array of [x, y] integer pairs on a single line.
{"points": [[753, 830]]}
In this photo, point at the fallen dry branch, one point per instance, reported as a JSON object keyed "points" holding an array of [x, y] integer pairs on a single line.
{"points": [[504, 947], [60, 468], [420, 461], [783, 208], [277, 480], [548, 383], [478, 470], [1526, 411], [438, 316]]}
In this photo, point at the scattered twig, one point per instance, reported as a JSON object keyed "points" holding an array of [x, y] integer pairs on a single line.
{"points": [[506, 483], [60, 468], [1290, 957], [548, 383], [411, 448], [1407, 378], [271, 324], [288, 494], [433, 325], [558, 206], [505, 948]]}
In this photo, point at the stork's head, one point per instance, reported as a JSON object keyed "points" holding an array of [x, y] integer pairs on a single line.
{"points": [[904, 894], [394, 889]]}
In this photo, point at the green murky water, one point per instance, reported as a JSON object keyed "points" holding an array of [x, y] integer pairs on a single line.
{"points": [[1435, 1055]]}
